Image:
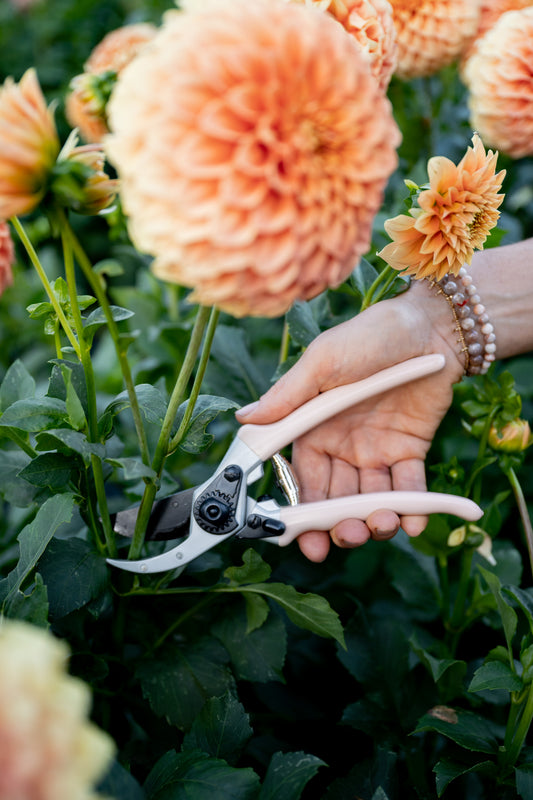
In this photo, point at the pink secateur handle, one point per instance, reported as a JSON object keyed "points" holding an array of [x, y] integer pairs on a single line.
{"points": [[265, 440], [325, 514]]}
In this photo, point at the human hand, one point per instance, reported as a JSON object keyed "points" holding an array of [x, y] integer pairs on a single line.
{"points": [[378, 445]]}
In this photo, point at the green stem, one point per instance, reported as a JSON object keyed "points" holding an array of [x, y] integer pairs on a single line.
{"points": [[522, 508], [92, 421], [181, 619], [511, 722], [12, 434], [161, 450], [94, 282], [462, 591], [200, 372], [473, 485], [384, 275], [285, 343], [442, 562], [34, 258], [385, 286], [521, 731]]}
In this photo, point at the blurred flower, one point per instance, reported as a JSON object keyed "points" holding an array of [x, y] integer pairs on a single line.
{"points": [[491, 11], [452, 219], [499, 76], [93, 189], [29, 145], [23, 5], [370, 23], [7, 257], [253, 145], [50, 751], [86, 103], [432, 34], [473, 536], [511, 438]]}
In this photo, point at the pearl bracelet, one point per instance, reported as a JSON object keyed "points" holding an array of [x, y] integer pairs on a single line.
{"points": [[472, 324]]}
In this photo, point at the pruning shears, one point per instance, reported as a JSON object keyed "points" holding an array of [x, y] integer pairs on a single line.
{"points": [[220, 507]]}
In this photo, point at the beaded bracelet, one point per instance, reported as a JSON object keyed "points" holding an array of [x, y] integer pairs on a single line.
{"points": [[472, 324]]}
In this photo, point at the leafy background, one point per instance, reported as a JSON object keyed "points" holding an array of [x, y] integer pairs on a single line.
{"points": [[229, 682]]}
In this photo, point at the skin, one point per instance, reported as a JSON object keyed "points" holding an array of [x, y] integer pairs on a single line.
{"points": [[381, 445]]}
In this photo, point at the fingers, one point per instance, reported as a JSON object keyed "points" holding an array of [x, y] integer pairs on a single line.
{"points": [[410, 475]]}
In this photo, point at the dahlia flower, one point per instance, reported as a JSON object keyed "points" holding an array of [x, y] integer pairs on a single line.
{"points": [[7, 257], [431, 35], [85, 105], [452, 218], [490, 12], [253, 145], [29, 145], [515, 437], [499, 76], [370, 23], [50, 751], [98, 190]]}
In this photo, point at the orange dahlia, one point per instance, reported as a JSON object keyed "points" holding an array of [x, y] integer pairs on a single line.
{"points": [[370, 23], [85, 105], [431, 35], [7, 257], [491, 11], [253, 145], [452, 218], [499, 76], [29, 145]]}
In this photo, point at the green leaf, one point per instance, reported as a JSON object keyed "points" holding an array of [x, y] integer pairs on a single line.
{"points": [[65, 440], [152, 404], [508, 615], [253, 570], [110, 267], [524, 600], [33, 540], [257, 610], [120, 785], [18, 384], [64, 372], [49, 469], [414, 576], [309, 611], [303, 327], [179, 681], [14, 489], [74, 575], [195, 776], [75, 411], [35, 414], [470, 731], [133, 468], [256, 656], [495, 675], [363, 276], [97, 318], [439, 668], [31, 606], [233, 367], [288, 774], [206, 409], [447, 770], [221, 729], [524, 781]]}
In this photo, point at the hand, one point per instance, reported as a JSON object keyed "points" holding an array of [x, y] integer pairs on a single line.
{"points": [[378, 445]]}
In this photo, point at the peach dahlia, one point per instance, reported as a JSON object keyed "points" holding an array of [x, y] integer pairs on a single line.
{"points": [[7, 256], [253, 146]]}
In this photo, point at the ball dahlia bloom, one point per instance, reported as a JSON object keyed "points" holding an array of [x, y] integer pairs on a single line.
{"points": [[370, 23], [7, 257], [50, 751], [452, 218], [432, 35], [253, 146], [85, 105], [29, 145], [490, 12], [499, 76]]}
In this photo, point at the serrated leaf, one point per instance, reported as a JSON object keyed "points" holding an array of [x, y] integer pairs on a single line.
{"points": [[35, 414], [74, 575], [18, 384], [447, 771], [31, 606], [507, 614], [206, 409], [49, 469], [470, 731], [524, 600], [495, 675], [75, 410], [221, 729], [152, 403], [256, 656], [309, 611], [253, 570], [193, 774], [257, 610], [439, 667], [133, 468], [178, 683], [33, 540], [14, 489], [97, 319], [233, 367], [66, 440], [288, 774], [303, 327]]}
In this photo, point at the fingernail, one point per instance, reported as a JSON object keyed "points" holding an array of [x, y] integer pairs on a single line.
{"points": [[245, 410], [385, 534]]}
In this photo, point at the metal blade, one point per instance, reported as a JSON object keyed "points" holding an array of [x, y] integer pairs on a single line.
{"points": [[170, 518]]}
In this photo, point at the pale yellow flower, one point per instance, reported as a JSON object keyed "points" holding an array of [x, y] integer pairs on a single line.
{"points": [[514, 437], [50, 751], [432, 33], [452, 218], [499, 76], [253, 145], [29, 145]]}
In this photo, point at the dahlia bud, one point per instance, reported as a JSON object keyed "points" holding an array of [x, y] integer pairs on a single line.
{"points": [[512, 438], [80, 182]]}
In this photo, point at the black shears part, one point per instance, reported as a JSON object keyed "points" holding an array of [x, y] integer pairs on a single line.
{"points": [[170, 518], [259, 527], [215, 509]]}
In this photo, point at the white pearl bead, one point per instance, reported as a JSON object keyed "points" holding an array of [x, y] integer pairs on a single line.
{"points": [[490, 348], [487, 328], [478, 309], [466, 280]]}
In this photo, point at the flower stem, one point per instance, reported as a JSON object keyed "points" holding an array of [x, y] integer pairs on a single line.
{"points": [[92, 420], [522, 508], [162, 447], [521, 731], [462, 592], [285, 344], [386, 275], [94, 282], [34, 258]]}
